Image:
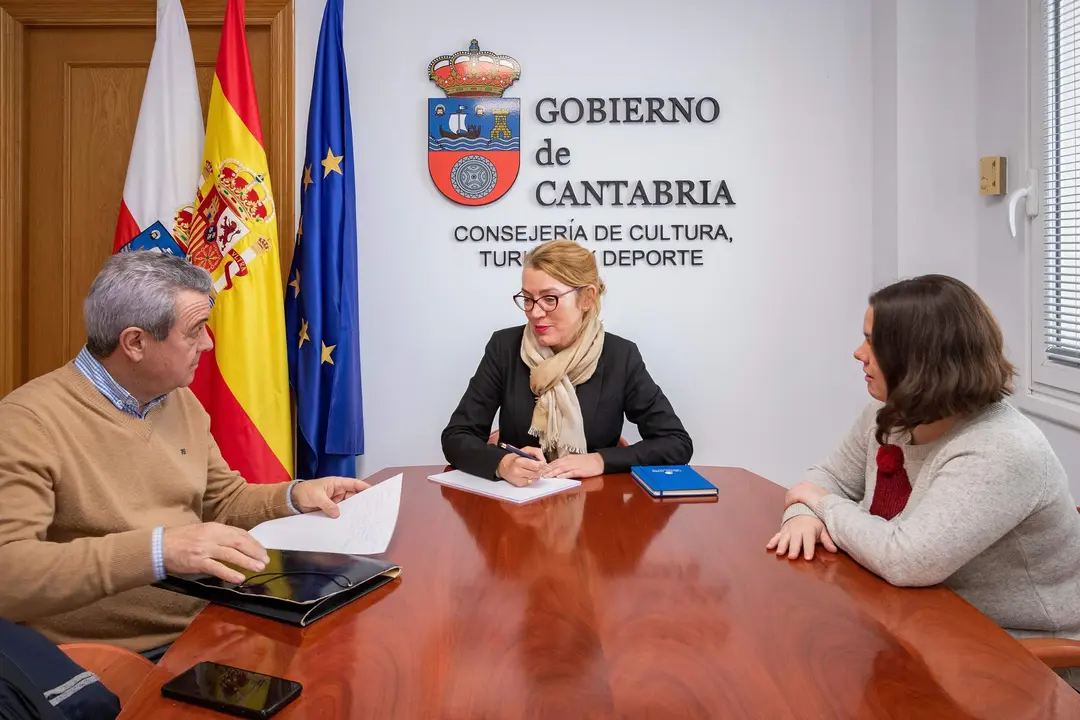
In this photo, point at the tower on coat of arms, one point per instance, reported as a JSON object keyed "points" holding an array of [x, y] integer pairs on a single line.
{"points": [[474, 133]]}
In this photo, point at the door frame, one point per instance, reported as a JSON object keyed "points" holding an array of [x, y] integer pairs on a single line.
{"points": [[16, 17]]}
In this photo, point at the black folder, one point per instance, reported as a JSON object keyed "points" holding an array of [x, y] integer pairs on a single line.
{"points": [[301, 588]]}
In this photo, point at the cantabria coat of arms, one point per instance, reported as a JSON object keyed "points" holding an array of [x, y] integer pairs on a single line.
{"points": [[474, 133]]}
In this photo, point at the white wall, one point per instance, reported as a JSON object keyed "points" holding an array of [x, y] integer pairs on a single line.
{"points": [[935, 139], [1001, 129], [884, 181], [754, 349], [924, 138]]}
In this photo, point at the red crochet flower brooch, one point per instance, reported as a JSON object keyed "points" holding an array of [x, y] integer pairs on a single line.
{"points": [[890, 458]]}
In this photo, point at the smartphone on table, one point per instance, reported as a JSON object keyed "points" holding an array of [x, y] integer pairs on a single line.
{"points": [[232, 690]]}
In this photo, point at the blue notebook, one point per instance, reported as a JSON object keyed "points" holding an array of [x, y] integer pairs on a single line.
{"points": [[672, 481]]}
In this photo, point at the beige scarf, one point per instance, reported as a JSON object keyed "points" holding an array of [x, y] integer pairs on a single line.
{"points": [[556, 419]]}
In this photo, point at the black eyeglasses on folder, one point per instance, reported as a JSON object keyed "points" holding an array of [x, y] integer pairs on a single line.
{"points": [[263, 578]]}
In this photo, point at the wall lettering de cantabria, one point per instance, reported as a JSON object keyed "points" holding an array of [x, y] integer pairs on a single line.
{"points": [[680, 244]]}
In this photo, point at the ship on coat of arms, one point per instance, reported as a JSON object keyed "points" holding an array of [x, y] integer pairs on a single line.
{"points": [[474, 133]]}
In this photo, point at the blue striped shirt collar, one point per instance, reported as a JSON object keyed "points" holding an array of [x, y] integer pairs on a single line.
{"points": [[96, 373]]}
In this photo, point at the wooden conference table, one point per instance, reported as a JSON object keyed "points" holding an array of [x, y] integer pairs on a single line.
{"points": [[604, 603]]}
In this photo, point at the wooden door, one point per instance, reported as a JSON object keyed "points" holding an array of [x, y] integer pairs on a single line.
{"points": [[71, 80]]}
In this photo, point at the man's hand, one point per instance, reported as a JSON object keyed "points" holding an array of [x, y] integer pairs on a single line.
{"points": [[202, 548], [325, 493], [576, 466]]}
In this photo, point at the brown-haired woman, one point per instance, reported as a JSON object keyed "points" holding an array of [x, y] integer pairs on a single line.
{"points": [[562, 382], [940, 480]]}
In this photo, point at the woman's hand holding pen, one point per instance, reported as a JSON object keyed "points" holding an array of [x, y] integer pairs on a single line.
{"points": [[522, 466]]}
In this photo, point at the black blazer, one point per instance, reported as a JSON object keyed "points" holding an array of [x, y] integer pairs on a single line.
{"points": [[621, 385]]}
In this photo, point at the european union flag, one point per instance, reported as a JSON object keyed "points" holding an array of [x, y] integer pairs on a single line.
{"points": [[321, 313]]}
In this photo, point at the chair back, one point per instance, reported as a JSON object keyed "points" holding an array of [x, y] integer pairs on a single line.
{"points": [[120, 670], [72, 688]]}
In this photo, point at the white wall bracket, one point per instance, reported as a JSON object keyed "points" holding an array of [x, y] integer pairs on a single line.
{"points": [[1030, 196]]}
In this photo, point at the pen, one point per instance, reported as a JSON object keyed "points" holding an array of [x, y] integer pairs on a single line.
{"points": [[511, 448]]}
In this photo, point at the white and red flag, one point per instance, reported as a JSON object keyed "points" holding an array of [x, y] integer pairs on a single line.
{"points": [[166, 156]]}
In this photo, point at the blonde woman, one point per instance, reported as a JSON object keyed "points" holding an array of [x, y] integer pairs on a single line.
{"points": [[562, 386]]}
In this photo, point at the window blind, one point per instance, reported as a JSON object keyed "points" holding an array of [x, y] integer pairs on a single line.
{"points": [[1061, 248]]}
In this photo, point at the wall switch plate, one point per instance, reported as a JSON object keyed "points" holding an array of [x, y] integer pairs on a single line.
{"points": [[992, 175]]}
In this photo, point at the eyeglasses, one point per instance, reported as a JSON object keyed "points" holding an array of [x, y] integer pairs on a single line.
{"points": [[547, 303]]}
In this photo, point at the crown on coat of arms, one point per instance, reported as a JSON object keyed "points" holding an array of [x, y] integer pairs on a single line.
{"points": [[474, 72], [245, 191]]}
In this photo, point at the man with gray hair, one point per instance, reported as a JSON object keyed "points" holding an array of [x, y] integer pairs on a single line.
{"points": [[110, 478]]}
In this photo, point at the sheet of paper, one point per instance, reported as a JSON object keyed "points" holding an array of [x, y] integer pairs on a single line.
{"points": [[365, 526], [502, 490]]}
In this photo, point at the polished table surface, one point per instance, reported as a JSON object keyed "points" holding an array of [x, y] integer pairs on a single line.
{"points": [[604, 603]]}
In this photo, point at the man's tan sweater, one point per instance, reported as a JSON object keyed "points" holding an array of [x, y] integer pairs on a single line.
{"points": [[82, 487]]}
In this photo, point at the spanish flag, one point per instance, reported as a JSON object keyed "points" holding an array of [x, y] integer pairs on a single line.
{"points": [[243, 382]]}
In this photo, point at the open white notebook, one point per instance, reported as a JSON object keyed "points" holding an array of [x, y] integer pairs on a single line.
{"points": [[502, 490]]}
